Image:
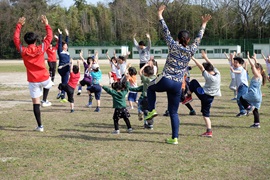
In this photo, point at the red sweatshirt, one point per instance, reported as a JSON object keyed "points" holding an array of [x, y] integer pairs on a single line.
{"points": [[33, 56], [51, 53]]}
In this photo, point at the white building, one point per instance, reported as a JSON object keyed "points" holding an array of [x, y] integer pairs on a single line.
{"points": [[212, 51], [261, 48], [74, 51]]}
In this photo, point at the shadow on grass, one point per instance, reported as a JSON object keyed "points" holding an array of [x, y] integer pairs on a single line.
{"points": [[117, 138], [14, 128]]}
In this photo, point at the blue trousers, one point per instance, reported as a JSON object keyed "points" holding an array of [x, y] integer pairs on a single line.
{"points": [[242, 90], [173, 90], [64, 73]]}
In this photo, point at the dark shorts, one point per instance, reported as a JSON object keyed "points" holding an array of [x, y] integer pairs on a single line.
{"points": [[120, 113], [95, 88], [69, 90], [132, 96], [85, 82]]}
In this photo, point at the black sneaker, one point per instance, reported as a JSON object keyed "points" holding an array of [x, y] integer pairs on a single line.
{"points": [[255, 126], [241, 114], [150, 127], [58, 96], [72, 111], [97, 109], [192, 113], [166, 113]]}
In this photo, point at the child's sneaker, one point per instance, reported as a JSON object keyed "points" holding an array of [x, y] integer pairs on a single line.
{"points": [[241, 114], [151, 114], [192, 113], [188, 99], [97, 109], [166, 113], [58, 96], [129, 130], [89, 104], [116, 132], [255, 126], [72, 111], [207, 134], [79, 92], [172, 141], [147, 126], [39, 129], [45, 103], [63, 101], [140, 116]]}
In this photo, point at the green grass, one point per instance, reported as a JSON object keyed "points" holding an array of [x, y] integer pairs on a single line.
{"points": [[80, 146]]}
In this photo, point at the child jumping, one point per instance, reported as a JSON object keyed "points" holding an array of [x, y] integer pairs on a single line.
{"points": [[72, 84], [253, 98], [118, 92], [206, 93]]}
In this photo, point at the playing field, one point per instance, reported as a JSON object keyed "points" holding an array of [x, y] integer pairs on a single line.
{"points": [[80, 145]]}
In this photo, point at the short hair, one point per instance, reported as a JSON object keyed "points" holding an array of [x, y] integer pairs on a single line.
{"points": [[122, 58], [75, 69], [208, 66], [132, 71], [239, 60], [183, 37], [119, 85], [141, 43], [149, 70], [30, 38], [63, 43]]}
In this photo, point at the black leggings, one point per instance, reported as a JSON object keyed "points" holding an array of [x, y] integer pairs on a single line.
{"points": [[52, 69], [121, 113], [255, 111]]}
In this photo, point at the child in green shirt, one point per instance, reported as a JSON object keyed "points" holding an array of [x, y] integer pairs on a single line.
{"points": [[118, 92]]}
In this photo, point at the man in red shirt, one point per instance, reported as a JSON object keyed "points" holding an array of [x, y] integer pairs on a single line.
{"points": [[72, 83], [51, 53], [33, 58]]}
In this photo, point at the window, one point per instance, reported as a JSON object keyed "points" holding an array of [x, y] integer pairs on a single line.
{"points": [[91, 51], [118, 51], [217, 51], [104, 51], [152, 51], [77, 51], [232, 51], [157, 52], [200, 50], [225, 50], [258, 51], [135, 52], [209, 51], [164, 51]]}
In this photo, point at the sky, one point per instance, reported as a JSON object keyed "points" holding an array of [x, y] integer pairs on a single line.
{"points": [[67, 3]]}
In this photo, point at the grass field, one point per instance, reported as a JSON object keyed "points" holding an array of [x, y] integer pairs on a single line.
{"points": [[80, 145]]}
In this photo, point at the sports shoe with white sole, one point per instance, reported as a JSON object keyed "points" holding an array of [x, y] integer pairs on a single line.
{"points": [[39, 129], [46, 103]]}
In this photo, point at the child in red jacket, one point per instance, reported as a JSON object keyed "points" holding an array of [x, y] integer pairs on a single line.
{"points": [[33, 58]]}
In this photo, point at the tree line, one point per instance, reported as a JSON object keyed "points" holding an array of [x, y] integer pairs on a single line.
{"points": [[115, 23]]}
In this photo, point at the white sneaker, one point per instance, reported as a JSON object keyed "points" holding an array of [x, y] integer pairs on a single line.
{"points": [[116, 132], [39, 129], [130, 130], [46, 104]]}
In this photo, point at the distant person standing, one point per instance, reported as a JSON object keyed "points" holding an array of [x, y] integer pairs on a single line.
{"points": [[144, 51], [51, 53], [33, 58]]}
